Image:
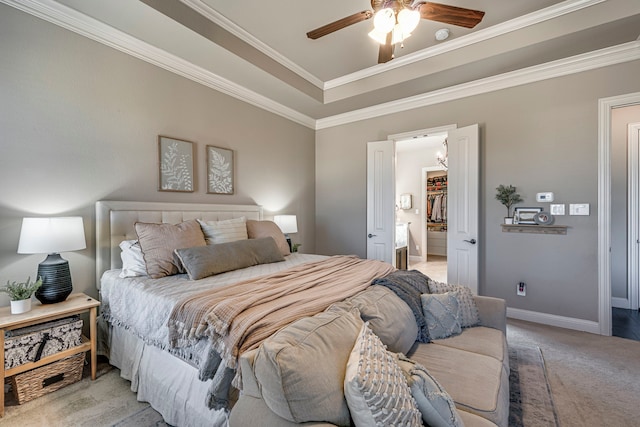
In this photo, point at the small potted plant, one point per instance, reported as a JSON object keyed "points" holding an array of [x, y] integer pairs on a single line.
{"points": [[506, 194], [20, 294]]}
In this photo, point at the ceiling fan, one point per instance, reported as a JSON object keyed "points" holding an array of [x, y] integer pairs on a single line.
{"points": [[394, 20]]}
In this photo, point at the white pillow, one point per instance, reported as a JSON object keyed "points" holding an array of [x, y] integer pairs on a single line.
{"points": [[375, 387], [228, 230], [133, 264]]}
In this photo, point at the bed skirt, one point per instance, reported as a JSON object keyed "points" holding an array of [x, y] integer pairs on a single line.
{"points": [[170, 385]]}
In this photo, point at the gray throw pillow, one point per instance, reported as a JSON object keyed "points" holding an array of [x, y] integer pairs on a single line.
{"points": [[435, 404], [205, 261], [442, 314], [468, 309]]}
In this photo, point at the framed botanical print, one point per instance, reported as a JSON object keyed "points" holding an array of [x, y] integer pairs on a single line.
{"points": [[176, 165], [219, 170]]}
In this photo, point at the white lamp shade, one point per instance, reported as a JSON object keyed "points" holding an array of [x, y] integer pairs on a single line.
{"points": [[408, 20], [287, 223], [384, 20], [51, 235]]}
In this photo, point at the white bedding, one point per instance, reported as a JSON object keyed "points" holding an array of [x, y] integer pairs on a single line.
{"points": [[143, 305]]}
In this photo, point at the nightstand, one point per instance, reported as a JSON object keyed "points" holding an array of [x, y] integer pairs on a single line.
{"points": [[74, 304]]}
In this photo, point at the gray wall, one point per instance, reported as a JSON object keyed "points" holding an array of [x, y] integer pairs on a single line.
{"points": [[538, 137], [620, 119], [79, 123]]}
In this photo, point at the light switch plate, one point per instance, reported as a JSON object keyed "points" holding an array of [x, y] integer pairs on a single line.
{"points": [[579, 209], [557, 210]]}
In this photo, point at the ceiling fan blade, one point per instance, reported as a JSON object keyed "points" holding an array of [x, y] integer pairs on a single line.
{"points": [[340, 24], [453, 15], [385, 54]]}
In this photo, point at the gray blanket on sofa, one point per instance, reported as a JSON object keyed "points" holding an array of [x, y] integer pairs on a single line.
{"points": [[409, 285]]}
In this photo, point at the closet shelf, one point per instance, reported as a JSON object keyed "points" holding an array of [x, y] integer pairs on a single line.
{"points": [[534, 229]]}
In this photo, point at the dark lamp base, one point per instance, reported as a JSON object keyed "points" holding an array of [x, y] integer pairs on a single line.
{"points": [[56, 280]]}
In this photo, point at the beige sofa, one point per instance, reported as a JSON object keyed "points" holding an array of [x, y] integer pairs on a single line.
{"points": [[296, 376]]}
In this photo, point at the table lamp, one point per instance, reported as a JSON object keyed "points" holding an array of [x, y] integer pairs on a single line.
{"points": [[288, 224], [52, 236]]}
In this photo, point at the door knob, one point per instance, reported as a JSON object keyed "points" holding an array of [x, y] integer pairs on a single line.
{"points": [[371, 235], [472, 241]]}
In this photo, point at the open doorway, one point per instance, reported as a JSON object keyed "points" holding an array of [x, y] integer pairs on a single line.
{"points": [[422, 179]]}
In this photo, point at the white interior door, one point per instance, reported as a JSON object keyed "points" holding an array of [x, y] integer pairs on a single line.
{"points": [[633, 231], [381, 201], [462, 207]]}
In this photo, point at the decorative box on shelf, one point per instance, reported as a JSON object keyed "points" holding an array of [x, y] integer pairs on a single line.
{"points": [[32, 343], [46, 379]]}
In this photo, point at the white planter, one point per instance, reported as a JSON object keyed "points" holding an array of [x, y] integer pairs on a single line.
{"points": [[21, 306], [508, 220]]}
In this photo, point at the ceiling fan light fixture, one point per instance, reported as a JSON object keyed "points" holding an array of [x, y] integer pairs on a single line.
{"points": [[378, 36], [384, 20], [408, 19], [399, 35]]}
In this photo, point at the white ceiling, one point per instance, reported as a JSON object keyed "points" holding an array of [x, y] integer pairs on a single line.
{"points": [[259, 52]]}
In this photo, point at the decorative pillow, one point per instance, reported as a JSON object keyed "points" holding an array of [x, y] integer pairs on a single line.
{"points": [[132, 260], [205, 261], [433, 401], [442, 314], [158, 241], [468, 309], [300, 369], [228, 230], [389, 317], [375, 386], [258, 229]]}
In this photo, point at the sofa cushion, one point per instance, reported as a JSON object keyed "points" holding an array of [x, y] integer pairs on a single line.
{"points": [[482, 340], [435, 404], [301, 368], [389, 317], [442, 313], [477, 383], [375, 386]]}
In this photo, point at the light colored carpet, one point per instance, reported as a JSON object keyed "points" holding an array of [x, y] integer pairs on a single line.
{"points": [[594, 380]]}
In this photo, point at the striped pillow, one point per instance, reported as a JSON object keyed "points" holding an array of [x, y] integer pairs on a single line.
{"points": [[228, 230]]}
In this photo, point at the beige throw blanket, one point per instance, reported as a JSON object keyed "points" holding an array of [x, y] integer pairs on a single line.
{"points": [[239, 317]]}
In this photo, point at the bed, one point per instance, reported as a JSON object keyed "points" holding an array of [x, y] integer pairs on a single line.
{"points": [[135, 311]]}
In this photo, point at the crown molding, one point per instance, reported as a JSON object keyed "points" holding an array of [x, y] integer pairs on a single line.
{"points": [[93, 29], [625, 52], [214, 16], [515, 24]]}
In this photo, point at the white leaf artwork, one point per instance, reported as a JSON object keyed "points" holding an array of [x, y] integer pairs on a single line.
{"points": [[220, 171], [176, 165]]}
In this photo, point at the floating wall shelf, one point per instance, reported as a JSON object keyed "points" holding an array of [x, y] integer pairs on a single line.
{"points": [[534, 229]]}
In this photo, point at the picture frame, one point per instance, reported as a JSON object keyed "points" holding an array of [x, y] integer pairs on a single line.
{"points": [[220, 170], [175, 165], [406, 201], [525, 216]]}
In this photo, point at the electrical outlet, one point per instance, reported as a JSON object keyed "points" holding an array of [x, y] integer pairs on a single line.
{"points": [[417, 247], [521, 289]]}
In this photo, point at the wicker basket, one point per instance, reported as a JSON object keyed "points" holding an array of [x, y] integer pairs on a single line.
{"points": [[46, 379]]}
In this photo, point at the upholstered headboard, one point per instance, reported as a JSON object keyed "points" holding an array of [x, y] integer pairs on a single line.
{"points": [[115, 223]]}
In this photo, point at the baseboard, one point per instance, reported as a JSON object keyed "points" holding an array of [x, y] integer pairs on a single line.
{"points": [[620, 303], [415, 259], [554, 320]]}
